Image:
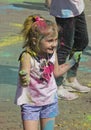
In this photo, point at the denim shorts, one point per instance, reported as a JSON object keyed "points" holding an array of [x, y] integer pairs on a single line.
{"points": [[29, 112]]}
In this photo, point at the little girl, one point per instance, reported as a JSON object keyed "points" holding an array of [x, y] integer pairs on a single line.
{"points": [[37, 90]]}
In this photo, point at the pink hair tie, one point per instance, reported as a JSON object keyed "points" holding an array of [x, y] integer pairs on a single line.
{"points": [[40, 22], [38, 18]]}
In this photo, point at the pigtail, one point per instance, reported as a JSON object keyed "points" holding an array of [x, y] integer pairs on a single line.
{"points": [[26, 27], [29, 30]]}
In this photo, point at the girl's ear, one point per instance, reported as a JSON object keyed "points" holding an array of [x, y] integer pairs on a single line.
{"points": [[34, 40]]}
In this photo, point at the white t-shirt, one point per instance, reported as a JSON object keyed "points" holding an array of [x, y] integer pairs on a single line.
{"points": [[66, 8]]}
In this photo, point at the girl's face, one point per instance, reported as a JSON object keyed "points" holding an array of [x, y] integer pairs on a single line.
{"points": [[48, 44]]}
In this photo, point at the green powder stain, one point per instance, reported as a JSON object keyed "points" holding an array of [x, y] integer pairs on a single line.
{"points": [[89, 117]]}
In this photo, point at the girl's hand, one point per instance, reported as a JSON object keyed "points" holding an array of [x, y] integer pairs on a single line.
{"points": [[24, 78], [77, 55]]}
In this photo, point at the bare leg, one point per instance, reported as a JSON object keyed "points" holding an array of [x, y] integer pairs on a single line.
{"points": [[30, 125], [48, 3], [47, 124]]}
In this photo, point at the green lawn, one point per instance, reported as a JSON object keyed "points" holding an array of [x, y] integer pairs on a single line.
{"points": [[15, 1]]}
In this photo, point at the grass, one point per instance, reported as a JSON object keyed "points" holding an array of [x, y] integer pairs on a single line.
{"points": [[16, 1]]}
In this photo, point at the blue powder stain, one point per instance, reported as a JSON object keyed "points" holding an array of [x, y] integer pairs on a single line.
{"points": [[66, 13], [49, 125], [5, 54], [84, 59], [10, 7], [85, 69]]}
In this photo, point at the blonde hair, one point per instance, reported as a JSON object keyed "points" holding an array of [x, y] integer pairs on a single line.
{"points": [[36, 27]]}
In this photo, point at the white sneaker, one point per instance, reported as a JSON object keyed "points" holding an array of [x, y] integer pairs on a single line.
{"points": [[66, 95], [69, 89], [76, 86]]}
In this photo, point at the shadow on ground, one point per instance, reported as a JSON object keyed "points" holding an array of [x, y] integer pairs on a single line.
{"points": [[31, 5]]}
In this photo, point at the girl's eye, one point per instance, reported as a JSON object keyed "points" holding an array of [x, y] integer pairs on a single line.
{"points": [[51, 40]]}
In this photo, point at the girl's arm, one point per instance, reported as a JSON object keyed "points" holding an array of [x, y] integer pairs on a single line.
{"points": [[59, 70], [24, 72]]}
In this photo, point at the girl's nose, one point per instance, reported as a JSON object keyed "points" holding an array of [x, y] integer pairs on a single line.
{"points": [[54, 43]]}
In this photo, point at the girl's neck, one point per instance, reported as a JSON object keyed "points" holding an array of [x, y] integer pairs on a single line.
{"points": [[42, 55]]}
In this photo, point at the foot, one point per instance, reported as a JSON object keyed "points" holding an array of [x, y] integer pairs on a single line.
{"points": [[76, 86], [69, 89], [66, 95]]}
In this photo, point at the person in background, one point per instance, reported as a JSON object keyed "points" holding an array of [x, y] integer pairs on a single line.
{"points": [[36, 92], [47, 3], [73, 36]]}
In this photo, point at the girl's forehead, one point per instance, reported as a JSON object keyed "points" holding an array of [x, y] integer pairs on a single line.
{"points": [[52, 34]]}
